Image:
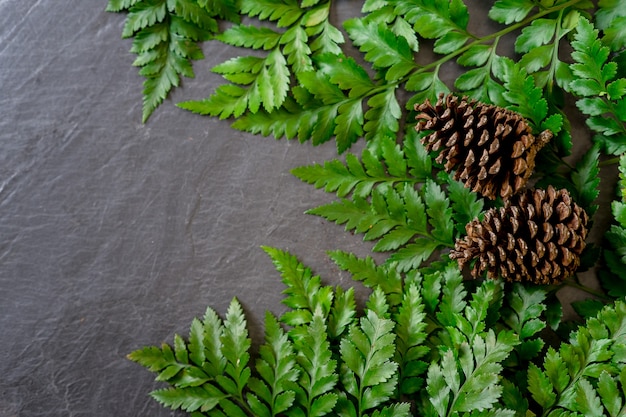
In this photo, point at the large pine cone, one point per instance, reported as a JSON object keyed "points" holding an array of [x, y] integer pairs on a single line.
{"points": [[538, 236], [491, 148]]}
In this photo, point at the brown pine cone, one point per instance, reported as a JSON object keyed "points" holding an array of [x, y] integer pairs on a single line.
{"points": [[538, 236], [491, 148]]}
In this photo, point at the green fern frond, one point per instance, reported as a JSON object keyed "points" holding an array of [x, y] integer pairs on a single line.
{"points": [[418, 222], [411, 335], [276, 367], [318, 377], [602, 95], [613, 277], [392, 166], [611, 19], [582, 375], [166, 35], [368, 370], [305, 294]]}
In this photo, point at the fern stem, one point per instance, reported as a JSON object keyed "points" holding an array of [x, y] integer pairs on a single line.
{"points": [[496, 35], [596, 293], [607, 162], [555, 53]]}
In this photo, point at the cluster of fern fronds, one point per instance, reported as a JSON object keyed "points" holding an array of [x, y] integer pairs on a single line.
{"points": [[428, 342]]}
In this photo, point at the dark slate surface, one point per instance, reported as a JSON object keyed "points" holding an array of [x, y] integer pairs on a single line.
{"points": [[115, 234]]}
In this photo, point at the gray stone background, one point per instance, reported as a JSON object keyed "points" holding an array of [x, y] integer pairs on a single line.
{"points": [[115, 234]]}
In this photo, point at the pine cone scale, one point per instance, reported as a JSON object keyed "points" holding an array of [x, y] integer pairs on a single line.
{"points": [[526, 240], [501, 137]]}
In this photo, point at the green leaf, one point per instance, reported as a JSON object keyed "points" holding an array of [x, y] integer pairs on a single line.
{"points": [[297, 49], [250, 37], [509, 11], [610, 18], [283, 12], [611, 397], [411, 334], [367, 354], [433, 19], [276, 367], [349, 126], [166, 36], [595, 80], [466, 205], [304, 290], [344, 72], [342, 313], [450, 42], [317, 377], [439, 212], [143, 14], [370, 274], [383, 116], [586, 179], [540, 387], [382, 47], [328, 39], [540, 32], [475, 56], [235, 346], [587, 401], [119, 5], [186, 399]]}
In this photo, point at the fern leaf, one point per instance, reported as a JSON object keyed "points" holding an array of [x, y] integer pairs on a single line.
{"points": [[346, 73], [522, 314], [540, 388], [524, 96], [427, 85], [369, 373], [250, 37], [372, 275], [235, 349], [143, 14], [383, 116], [382, 48], [357, 176], [342, 313], [481, 363], [119, 5], [444, 21], [205, 346], [349, 124], [509, 11], [187, 399], [610, 18], [225, 9], [276, 368], [411, 334], [192, 12], [283, 12], [398, 219], [318, 371], [165, 34], [305, 294], [586, 180], [595, 79], [588, 359], [439, 212], [466, 206], [297, 49], [609, 392]]}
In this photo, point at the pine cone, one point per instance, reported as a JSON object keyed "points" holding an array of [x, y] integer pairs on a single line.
{"points": [[491, 148], [536, 237]]}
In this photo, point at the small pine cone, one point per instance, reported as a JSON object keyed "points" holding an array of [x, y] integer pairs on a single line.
{"points": [[491, 148], [536, 237]]}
